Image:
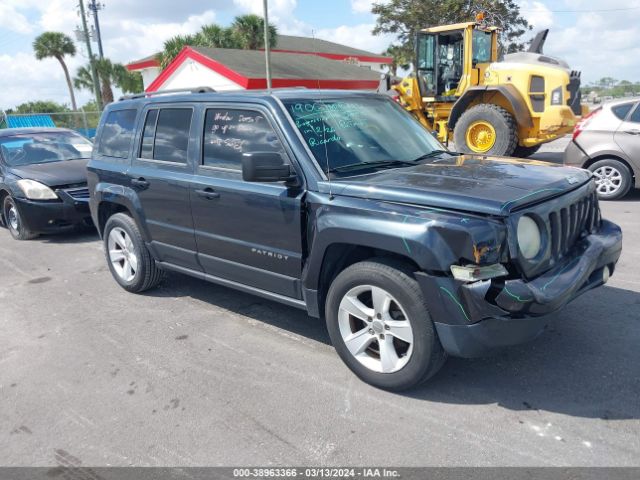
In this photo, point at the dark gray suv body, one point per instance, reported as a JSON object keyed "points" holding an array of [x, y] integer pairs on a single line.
{"points": [[340, 203]]}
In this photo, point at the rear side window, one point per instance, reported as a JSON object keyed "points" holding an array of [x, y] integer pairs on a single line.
{"points": [[117, 133], [621, 111], [635, 116], [230, 133], [166, 134]]}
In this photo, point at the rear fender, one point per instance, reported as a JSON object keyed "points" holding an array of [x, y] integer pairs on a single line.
{"points": [[123, 196]]}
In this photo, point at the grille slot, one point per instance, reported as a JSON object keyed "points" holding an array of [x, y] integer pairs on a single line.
{"points": [[567, 224], [81, 193]]}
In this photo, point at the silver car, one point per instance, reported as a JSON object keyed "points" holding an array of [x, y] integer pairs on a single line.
{"points": [[607, 142]]}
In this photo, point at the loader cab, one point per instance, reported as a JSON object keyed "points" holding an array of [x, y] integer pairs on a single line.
{"points": [[452, 58]]}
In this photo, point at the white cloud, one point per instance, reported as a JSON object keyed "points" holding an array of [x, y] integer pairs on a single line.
{"points": [[361, 6], [13, 20], [357, 36], [537, 14]]}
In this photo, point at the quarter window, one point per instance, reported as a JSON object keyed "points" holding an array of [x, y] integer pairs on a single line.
{"points": [[635, 116], [621, 111], [230, 133], [117, 133]]}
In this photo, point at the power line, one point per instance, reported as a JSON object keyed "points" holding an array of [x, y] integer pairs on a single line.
{"points": [[603, 10]]}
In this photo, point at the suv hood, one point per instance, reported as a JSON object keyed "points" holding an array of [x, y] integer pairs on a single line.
{"points": [[52, 174], [489, 185]]}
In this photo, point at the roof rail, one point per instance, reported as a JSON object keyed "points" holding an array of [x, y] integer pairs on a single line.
{"points": [[163, 92]]}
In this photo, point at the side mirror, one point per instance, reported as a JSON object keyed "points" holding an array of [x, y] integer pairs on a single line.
{"points": [[265, 167]]}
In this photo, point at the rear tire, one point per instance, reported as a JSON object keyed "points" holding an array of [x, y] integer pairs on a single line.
{"points": [[613, 179], [491, 130], [379, 324], [129, 260], [525, 152], [13, 221]]}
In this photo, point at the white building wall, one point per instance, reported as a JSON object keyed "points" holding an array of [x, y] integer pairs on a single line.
{"points": [[149, 75], [192, 74]]}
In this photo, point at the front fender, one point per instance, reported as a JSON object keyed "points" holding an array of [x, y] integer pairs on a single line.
{"points": [[433, 239]]}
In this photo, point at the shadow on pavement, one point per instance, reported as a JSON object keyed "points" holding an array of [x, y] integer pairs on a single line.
{"points": [[585, 364], [552, 157], [84, 235]]}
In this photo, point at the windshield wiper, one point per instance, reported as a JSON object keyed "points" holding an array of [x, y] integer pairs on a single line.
{"points": [[361, 165], [435, 153]]}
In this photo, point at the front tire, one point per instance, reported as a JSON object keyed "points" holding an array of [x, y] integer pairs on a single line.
{"points": [[613, 179], [486, 129], [13, 221], [129, 260], [380, 326]]}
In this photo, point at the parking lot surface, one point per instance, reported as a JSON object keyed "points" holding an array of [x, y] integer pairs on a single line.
{"points": [[196, 374]]}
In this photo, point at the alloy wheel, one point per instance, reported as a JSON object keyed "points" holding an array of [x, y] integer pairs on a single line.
{"points": [[375, 329], [14, 218], [608, 180], [122, 254]]}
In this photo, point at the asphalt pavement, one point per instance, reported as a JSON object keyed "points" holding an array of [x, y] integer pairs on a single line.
{"points": [[193, 374]]}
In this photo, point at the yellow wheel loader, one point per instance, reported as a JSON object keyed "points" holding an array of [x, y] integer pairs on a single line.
{"points": [[507, 107]]}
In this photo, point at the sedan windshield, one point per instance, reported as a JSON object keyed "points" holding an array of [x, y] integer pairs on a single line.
{"points": [[44, 147], [348, 136]]}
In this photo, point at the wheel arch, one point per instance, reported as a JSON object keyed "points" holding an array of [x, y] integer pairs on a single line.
{"points": [[513, 98], [612, 156], [339, 256]]}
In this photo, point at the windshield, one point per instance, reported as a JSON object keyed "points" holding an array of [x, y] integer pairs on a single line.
{"points": [[360, 133], [45, 147]]}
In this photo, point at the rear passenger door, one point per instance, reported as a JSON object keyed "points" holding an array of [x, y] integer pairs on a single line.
{"points": [[246, 232], [628, 134], [161, 173]]}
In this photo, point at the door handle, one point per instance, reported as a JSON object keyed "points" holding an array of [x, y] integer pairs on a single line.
{"points": [[139, 182], [632, 132], [208, 193]]}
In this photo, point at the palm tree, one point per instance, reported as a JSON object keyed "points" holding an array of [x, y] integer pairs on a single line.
{"points": [[110, 74], [246, 32], [57, 45], [400, 58], [249, 29]]}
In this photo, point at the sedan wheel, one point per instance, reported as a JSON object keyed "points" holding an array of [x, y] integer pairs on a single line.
{"points": [[608, 180], [122, 254], [375, 329]]}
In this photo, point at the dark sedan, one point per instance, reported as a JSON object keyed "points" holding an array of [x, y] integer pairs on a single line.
{"points": [[43, 182]]}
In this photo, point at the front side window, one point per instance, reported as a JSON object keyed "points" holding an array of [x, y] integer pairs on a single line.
{"points": [[117, 133], [44, 147], [229, 133], [348, 136]]}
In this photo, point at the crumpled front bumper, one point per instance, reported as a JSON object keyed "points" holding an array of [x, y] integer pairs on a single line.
{"points": [[472, 319]]}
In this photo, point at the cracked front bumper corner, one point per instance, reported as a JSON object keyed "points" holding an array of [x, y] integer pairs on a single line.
{"points": [[473, 319]]}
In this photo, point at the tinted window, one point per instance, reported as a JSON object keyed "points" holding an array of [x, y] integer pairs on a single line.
{"points": [[621, 111], [44, 147], [146, 150], [117, 133], [172, 135], [230, 133], [635, 116]]}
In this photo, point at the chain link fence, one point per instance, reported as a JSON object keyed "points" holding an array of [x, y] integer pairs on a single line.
{"points": [[84, 122]]}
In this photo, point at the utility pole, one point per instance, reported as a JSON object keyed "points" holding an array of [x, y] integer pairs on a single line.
{"points": [[267, 52], [95, 7], [92, 60]]}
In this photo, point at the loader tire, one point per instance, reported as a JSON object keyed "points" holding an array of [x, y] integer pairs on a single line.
{"points": [[486, 129]]}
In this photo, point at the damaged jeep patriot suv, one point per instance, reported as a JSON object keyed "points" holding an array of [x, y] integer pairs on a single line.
{"points": [[340, 203]]}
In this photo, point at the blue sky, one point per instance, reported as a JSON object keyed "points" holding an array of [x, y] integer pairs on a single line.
{"points": [[599, 43]]}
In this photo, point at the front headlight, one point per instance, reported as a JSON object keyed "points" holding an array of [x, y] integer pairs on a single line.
{"points": [[35, 190], [529, 237]]}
